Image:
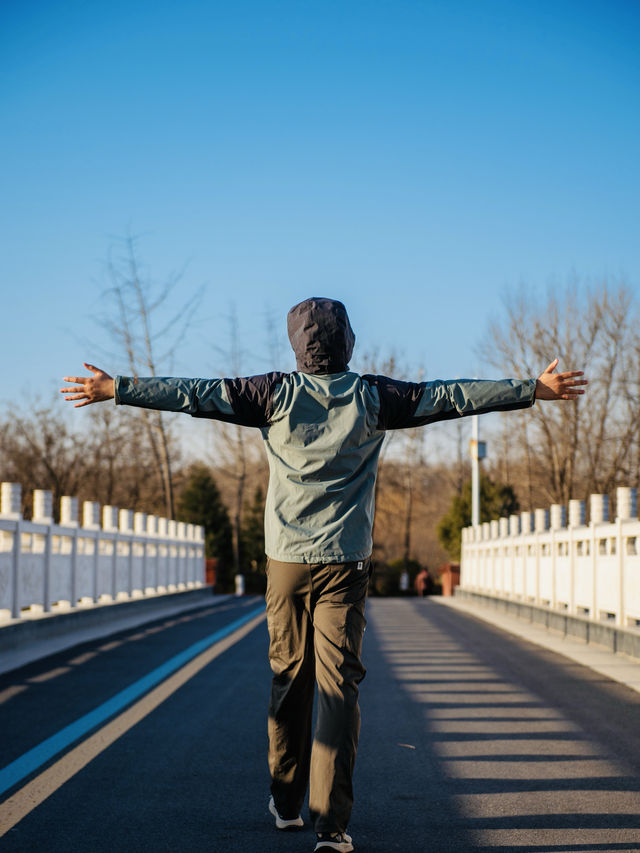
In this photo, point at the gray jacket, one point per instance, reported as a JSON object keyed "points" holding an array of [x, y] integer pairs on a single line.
{"points": [[323, 428]]}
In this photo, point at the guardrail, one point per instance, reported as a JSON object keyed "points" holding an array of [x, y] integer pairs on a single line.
{"points": [[590, 570], [114, 555]]}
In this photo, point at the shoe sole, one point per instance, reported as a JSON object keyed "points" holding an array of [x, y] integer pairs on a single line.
{"points": [[332, 847], [285, 825]]}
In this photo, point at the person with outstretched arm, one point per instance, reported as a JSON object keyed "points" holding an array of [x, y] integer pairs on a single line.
{"points": [[323, 427]]}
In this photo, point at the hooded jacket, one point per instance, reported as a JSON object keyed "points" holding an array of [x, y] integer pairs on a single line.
{"points": [[323, 428]]}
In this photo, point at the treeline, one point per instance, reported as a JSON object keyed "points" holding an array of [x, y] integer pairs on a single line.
{"points": [[548, 454]]}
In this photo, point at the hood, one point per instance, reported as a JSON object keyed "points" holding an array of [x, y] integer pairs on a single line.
{"points": [[321, 335]]}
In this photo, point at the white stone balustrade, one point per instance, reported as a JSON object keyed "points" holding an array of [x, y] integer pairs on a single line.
{"points": [[49, 567], [556, 559]]}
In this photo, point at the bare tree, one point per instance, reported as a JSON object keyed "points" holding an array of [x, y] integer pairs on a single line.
{"points": [[108, 460], [413, 462], [137, 323], [573, 449], [275, 338], [123, 468], [372, 363], [236, 447], [39, 450]]}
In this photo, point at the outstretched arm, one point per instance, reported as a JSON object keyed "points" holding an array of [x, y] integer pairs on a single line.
{"points": [[245, 401], [411, 404], [559, 386], [89, 389]]}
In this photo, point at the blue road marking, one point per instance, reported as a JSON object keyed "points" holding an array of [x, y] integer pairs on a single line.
{"points": [[39, 755]]}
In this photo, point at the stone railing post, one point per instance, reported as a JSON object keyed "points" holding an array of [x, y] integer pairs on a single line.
{"points": [[577, 513], [110, 525], [140, 529], [152, 532], [11, 501], [68, 511], [125, 526], [558, 516], [69, 518], [91, 521], [10, 509], [42, 506], [599, 505], [110, 518], [43, 514], [541, 520], [626, 503], [91, 515]]}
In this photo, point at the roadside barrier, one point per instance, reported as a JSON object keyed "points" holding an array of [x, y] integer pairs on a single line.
{"points": [[112, 555], [554, 559]]}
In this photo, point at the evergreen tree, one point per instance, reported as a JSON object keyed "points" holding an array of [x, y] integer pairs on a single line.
{"points": [[254, 559], [200, 503], [496, 500]]}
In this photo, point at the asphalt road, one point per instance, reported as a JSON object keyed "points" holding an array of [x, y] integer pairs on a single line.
{"points": [[472, 740]]}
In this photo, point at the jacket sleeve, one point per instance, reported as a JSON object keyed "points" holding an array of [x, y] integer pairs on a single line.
{"points": [[245, 401], [411, 404]]}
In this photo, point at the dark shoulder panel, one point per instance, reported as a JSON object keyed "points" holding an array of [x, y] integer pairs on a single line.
{"points": [[398, 400], [251, 398]]}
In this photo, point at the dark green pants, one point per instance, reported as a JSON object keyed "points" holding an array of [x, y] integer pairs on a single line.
{"points": [[315, 614]]}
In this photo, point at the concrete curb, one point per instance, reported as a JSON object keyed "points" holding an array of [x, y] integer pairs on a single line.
{"points": [[618, 640], [27, 640]]}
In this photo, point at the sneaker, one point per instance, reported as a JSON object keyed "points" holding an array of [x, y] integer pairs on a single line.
{"points": [[333, 841], [283, 823]]}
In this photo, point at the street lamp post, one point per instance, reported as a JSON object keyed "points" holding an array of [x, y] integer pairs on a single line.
{"points": [[478, 451]]}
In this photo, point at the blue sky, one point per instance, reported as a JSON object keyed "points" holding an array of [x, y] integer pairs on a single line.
{"points": [[414, 159]]}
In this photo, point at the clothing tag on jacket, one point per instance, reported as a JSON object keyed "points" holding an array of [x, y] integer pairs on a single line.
{"points": [[360, 565]]}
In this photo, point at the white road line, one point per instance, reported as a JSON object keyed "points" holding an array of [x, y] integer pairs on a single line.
{"points": [[16, 807]]}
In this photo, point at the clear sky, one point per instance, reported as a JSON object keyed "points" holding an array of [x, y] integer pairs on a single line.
{"points": [[414, 159]]}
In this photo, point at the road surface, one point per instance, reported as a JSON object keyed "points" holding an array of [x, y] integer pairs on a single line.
{"points": [[472, 740]]}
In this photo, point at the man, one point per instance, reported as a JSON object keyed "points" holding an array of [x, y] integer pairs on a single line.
{"points": [[323, 427]]}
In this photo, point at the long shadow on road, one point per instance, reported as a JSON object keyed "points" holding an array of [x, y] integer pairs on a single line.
{"points": [[495, 743]]}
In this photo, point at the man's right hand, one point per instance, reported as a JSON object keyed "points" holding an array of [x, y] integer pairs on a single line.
{"points": [[90, 389]]}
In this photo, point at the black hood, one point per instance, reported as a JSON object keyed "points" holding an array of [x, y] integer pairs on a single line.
{"points": [[321, 335]]}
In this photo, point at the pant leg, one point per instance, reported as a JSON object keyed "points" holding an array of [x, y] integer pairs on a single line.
{"points": [[291, 657], [339, 594]]}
